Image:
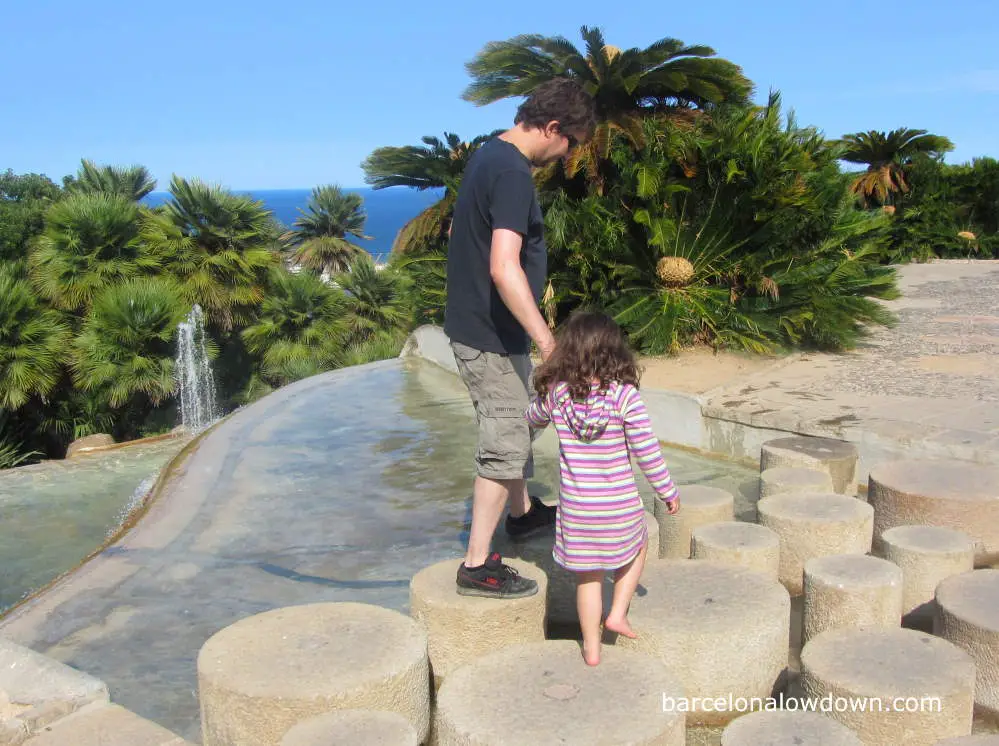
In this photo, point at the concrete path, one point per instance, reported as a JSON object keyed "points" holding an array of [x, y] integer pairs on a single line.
{"points": [[928, 387]]}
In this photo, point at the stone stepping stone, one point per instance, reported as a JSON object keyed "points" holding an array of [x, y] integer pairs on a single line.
{"points": [[561, 591], [853, 591], [699, 505], [815, 525], [95, 725], [724, 630], [543, 693], [781, 479], [353, 727], [738, 543], [837, 458], [890, 686], [961, 496], [968, 616], [927, 556], [462, 628], [266, 673], [787, 728]]}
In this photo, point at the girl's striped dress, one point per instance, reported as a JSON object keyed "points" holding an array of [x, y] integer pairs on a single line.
{"points": [[601, 521]]}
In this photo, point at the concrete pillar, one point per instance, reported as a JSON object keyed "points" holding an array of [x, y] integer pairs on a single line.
{"points": [[837, 458], [543, 693], [781, 479], [723, 629], [787, 728], [815, 525], [951, 494], [853, 591], [354, 727], [265, 673], [699, 505], [462, 628], [927, 556], [907, 687], [738, 543], [968, 616]]}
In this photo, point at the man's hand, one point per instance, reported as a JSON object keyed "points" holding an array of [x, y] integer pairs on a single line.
{"points": [[511, 282]]}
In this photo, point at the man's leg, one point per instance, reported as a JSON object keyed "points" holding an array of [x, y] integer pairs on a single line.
{"points": [[500, 400]]}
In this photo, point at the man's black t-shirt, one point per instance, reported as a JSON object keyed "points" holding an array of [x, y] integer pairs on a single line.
{"points": [[497, 191]]}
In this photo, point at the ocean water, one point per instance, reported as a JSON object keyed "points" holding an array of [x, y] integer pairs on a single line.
{"points": [[387, 210]]}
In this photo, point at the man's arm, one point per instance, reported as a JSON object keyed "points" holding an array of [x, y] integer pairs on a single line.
{"points": [[511, 282]]}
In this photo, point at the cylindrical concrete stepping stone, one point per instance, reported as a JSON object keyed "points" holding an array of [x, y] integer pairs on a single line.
{"points": [[699, 505], [837, 458], [782, 479], [461, 628], [543, 693], [738, 543], [723, 629], [961, 496], [979, 739], [968, 616], [890, 686], [354, 727], [263, 674], [815, 525], [787, 728], [927, 555], [851, 590], [561, 588]]}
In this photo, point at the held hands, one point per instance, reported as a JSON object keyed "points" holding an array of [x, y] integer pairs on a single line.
{"points": [[673, 506]]}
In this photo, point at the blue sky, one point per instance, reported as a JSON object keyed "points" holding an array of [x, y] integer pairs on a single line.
{"points": [[258, 95]]}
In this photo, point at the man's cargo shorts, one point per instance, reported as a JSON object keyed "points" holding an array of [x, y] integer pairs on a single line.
{"points": [[499, 386]]}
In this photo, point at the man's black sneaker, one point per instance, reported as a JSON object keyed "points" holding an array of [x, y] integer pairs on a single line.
{"points": [[494, 580], [538, 519]]}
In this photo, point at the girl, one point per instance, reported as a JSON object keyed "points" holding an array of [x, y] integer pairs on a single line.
{"points": [[589, 389]]}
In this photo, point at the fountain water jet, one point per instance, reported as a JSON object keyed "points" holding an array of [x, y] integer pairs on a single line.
{"points": [[198, 408]]}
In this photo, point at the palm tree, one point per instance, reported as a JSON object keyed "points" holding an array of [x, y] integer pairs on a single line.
{"points": [[91, 241], [320, 236], [438, 164], [666, 78], [125, 352], [131, 182], [887, 157], [300, 329], [377, 300], [220, 246], [32, 342]]}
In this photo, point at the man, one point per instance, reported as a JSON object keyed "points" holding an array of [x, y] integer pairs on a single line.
{"points": [[496, 273]]}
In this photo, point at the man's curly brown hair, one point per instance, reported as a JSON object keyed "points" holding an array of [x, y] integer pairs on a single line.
{"points": [[588, 347], [560, 100]]}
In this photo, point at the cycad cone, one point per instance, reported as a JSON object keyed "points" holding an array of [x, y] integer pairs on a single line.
{"points": [[674, 271]]}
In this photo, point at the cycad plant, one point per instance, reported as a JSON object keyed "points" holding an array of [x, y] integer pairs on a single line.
{"points": [[131, 182], [125, 352], [33, 342], [91, 242], [887, 157], [666, 79], [300, 330], [378, 301], [321, 239], [219, 245]]}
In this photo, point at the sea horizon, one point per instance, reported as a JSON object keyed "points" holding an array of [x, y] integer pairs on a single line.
{"points": [[387, 210]]}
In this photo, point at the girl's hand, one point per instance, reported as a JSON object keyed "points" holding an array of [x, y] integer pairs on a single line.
{"points": [[673, 506]]}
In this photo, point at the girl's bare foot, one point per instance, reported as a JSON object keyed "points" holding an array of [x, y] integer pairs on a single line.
{"points": [[591, 655], [620, 626]]}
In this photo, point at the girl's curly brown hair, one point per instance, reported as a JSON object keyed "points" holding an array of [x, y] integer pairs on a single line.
{"points": [[588, 347]]}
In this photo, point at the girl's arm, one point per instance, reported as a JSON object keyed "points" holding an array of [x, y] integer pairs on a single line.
{"points": [[536, 414], [644, 444]]}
